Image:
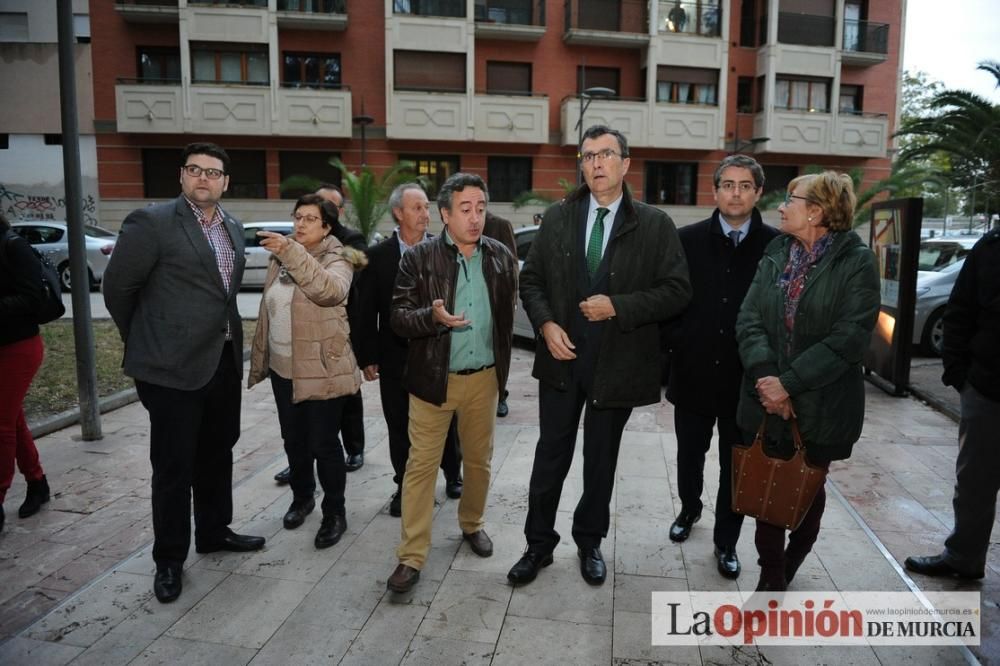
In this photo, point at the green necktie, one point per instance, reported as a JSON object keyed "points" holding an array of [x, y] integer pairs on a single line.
{"points": [[596, 240]]}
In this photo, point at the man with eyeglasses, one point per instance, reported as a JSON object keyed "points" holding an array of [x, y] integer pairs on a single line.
{"points": [[171, 289], [601, 274], [705, 370]]}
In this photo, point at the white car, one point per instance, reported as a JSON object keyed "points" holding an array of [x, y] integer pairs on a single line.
{"points": [[51, 240], [257, 257], [938, 265], [523, 238]]}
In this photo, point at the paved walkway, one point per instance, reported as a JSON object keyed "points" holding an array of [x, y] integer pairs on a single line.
{"points": [[75, 580]]}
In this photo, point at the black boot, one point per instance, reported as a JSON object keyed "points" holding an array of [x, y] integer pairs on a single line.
{"points": [[37, 495], [330, 531]]}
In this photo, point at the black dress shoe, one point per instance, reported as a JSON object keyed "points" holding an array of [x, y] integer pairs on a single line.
{"points": [[453, 488], [403, 579], [167, 583], [298, 511], [330, 531], [528, 566], [936, 565], [237, 543], [354, 462], [681, 528], [502, 409], [396, 504], [480, 543], [592, 566], [283, 476], [728, 562]]}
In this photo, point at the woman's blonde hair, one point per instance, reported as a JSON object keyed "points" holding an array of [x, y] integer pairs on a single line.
{"points": [[834, 193]]}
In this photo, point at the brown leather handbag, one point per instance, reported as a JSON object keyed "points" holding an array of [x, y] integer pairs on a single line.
{"points": [[776, 491]]}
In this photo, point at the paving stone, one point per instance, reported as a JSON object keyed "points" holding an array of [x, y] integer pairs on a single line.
{"points": [[433, 651], [38, 653], [345, 597], [386, 636], [301, 644], [632, 642], [169, 650], [560, 593], [530, 640], [468, 607]]}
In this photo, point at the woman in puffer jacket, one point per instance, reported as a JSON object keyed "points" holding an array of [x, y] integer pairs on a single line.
{"points": [[303, 343]]}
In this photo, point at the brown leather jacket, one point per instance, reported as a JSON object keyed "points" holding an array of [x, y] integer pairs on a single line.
{"points": [[427, 272]]}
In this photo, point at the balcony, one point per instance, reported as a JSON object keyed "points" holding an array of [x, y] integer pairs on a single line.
{"points": [[313, 14], [438, 8], [229, 22], [520, 20], [149, 107], [313, 112], [631, 117], [703, 19], [428, 115], [863, 135], [615, 23], [865, 43], [686, 127], [805, 29], [804, 133], [147, 11], [511, 118]]}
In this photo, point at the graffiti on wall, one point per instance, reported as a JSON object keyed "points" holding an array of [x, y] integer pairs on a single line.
{"points": [[24, 206]]}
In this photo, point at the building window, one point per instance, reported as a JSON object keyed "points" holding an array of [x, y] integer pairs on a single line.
{"points": [[52, 139], [450, 8], [850, 99], [687, 85], [159, 64], [161, 173], [506, 11], [432, 170], [777, 177], [508, 78], [744, 94], [313, 164], [748, 23], [81, 28], [247, 174], [230, 63], [508, 177], [311, 70], [598, 77], [13, 26], [802, 94], [694, 17], [428, 71], [671, 183], [4, 141]]}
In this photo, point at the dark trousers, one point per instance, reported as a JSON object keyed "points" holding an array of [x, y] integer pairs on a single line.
{"points": [[694, 437], [191, 439], [770, 540], [559, 418], [352, 424], [396, 409], [309, 429]]}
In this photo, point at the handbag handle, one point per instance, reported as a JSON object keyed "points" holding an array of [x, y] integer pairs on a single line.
{"points": [[796, 435]]}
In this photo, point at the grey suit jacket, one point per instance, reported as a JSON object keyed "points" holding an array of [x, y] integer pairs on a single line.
{"points": [[164, 292]]}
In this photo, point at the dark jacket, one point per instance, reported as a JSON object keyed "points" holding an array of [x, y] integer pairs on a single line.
{"points": [[705, 368], [644, 273], [21, 293], [428, 272], [819, 363], [164, 292], [502, 230], [971, 349], [378, 344]]}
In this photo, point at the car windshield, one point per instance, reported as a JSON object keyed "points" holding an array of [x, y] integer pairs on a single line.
{"points": [[97, 232], [938, 256]]}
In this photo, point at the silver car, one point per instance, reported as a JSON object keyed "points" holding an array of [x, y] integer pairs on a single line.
{"points": [[257, 257], [50, 239], [938, 265], [523, 238]]}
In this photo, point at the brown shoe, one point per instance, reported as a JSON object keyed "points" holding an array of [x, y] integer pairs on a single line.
{"points": [[403, 579], [480, 543]]}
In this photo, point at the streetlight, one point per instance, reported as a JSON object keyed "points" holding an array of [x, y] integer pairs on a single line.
{"points": [[585, 98], [364, 120]]}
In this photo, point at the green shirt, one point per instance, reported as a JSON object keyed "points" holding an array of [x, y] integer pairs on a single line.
{"points": [[472, 345]]}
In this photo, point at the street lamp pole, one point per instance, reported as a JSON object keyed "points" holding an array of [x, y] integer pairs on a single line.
{"points": [[364, 120], [585, 98]]}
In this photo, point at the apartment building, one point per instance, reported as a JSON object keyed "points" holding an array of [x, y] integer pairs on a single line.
{"points": [[490, 86]]}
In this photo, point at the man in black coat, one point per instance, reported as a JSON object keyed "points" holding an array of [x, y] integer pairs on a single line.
{"points": [[382, 353], [722, 254]]}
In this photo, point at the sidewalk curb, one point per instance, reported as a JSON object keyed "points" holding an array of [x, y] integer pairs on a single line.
{"points": [[937, 404]]}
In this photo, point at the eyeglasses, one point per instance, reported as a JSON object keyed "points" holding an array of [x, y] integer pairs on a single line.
{"points": [[789, 196], [308, 219], [745, 187], [195, 171], [605, 154], [537, 217]]}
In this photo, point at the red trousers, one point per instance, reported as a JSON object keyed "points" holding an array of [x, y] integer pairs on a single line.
{"points": [[19, 361]]}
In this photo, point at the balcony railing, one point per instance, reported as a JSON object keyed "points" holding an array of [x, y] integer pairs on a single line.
{"points": [[806, 29], [608, 15], [313, 6], [145, 81], [238, 3], [510, 12], [446, 8], [148, 3], [866, 37], [702, 17]]}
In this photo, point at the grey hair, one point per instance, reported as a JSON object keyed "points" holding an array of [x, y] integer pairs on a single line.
{"points": [[396, 198], [456, 183], [742, 162]]}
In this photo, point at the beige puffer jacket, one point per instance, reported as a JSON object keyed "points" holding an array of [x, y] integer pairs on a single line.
{"points": [[323, 363]]}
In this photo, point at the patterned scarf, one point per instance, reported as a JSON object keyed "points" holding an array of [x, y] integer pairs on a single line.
{"points": [[793, 278]]}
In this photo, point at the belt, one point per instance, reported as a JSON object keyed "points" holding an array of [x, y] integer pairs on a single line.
{"points": [[472, 371]]}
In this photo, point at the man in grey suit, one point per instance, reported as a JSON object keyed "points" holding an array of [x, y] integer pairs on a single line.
{"points": [[171, 289]]}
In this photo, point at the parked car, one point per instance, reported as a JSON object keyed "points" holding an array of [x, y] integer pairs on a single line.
{"points": [[938, 265], [51, 240], [523, 238], [257, 257]]}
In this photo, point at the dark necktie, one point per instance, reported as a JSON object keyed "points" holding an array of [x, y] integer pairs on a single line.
{"points": [[596, 240], [734, 236]]}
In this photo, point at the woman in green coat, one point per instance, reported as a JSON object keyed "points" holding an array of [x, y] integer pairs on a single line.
{"points": [[803, 330]]}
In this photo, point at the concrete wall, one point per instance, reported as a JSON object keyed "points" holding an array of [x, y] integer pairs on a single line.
{"points": [[31, 179]]}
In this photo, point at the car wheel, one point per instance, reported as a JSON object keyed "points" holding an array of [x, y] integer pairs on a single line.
{"points": [[65, 281], [933, 336]]}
